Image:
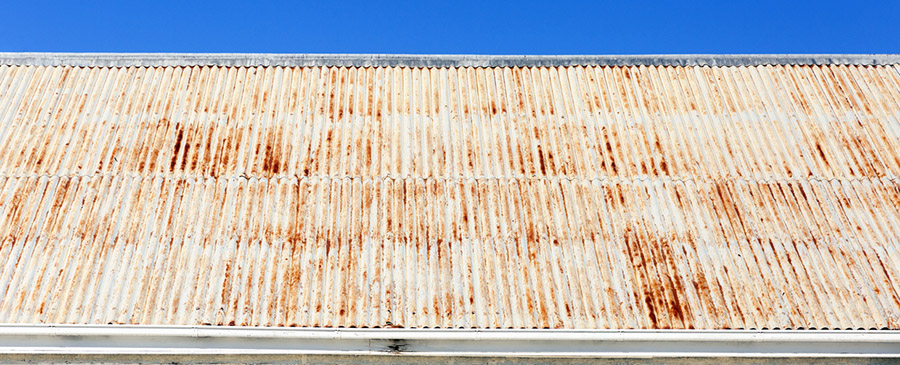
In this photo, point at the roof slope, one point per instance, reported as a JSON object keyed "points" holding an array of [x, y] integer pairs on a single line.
{"points": [[600, 197]]}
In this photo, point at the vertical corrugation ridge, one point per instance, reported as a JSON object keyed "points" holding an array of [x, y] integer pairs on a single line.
{"points": [[509, 197]]}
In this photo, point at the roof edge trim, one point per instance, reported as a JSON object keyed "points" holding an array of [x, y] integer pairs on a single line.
{"points": [[418, 61], [192, 340]]}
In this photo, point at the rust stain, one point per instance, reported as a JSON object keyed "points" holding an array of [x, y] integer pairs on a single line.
{"points": [[374, 197]]}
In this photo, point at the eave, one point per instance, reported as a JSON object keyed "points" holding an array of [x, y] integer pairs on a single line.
{"points": [[110, 340]]}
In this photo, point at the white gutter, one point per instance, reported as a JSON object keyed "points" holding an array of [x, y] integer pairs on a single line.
{"points": [[189, 340]]}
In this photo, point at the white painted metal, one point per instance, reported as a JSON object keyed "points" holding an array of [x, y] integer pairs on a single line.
{"points": [[149, 340]]}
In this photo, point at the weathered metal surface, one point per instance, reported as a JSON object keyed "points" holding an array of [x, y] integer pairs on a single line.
{"points": [[420, 60], [539, 197]]}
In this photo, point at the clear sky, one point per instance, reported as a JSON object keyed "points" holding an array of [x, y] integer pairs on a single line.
{"points": [[452, 27]]}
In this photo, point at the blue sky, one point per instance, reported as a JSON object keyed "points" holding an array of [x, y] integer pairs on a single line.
{"points": [[452, 27]]}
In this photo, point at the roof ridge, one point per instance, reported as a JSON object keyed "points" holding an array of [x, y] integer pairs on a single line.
{"points": [[417, 61]]}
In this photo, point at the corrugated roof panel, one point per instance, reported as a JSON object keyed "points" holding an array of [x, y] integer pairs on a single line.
{"points": [[646, 196]]}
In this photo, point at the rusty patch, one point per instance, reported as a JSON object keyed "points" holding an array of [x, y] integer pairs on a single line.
{"points": [[722, 197]]}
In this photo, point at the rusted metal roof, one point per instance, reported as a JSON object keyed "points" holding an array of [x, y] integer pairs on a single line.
{"points": [[594, 197]]}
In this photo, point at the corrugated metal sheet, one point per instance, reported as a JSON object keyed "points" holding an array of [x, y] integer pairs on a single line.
{"points": [[547, 197]]}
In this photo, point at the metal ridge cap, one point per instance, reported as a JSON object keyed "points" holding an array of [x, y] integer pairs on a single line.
{"points": [[440, 61], [148, 340]]}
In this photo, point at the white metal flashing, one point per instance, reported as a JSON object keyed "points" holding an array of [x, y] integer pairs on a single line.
{"points": [[409, 60], [173, 340]]}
